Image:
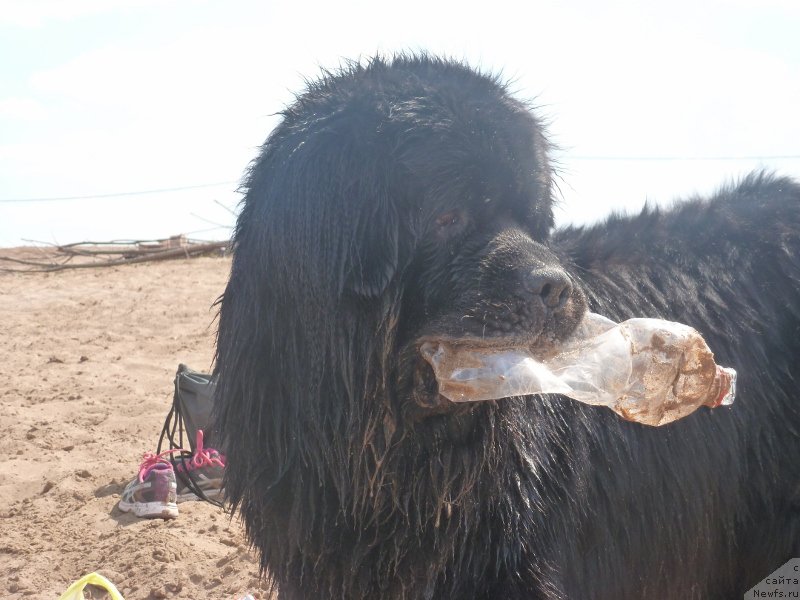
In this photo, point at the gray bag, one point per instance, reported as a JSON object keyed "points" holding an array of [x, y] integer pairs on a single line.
{"points": [[191, 407], [192, 402]]}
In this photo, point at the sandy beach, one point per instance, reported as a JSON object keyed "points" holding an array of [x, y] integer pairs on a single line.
{"points": [[87, 361]]}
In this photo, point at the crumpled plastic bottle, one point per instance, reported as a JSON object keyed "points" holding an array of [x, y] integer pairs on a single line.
{"points": [[646, 370]]}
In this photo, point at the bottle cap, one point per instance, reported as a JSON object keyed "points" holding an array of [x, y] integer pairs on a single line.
{"points": [[727, 387]]}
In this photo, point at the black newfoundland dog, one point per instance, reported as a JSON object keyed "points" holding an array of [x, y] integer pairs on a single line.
{"points": [[411, 198]]}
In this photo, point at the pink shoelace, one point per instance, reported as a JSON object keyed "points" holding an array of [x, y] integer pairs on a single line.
{"points": [[152, 461], [202, 457]]}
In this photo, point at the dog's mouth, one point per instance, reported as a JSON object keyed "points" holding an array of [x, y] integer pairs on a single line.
{"points": [[451, 372], [425, 391], [448, 339], [426, 387]]}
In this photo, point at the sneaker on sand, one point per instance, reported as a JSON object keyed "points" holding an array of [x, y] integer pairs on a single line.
{"points": [[153, 493], [199, 474]]}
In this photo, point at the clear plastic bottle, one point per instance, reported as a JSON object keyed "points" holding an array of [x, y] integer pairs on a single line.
{"points": [[646, 370]]}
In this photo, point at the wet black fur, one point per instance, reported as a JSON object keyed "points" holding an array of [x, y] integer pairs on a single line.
{"points": [[411, 197]]}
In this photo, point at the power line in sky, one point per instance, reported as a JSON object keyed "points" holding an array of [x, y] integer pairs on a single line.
{"points": [[679, 158], [561, 157], [120, 194]]}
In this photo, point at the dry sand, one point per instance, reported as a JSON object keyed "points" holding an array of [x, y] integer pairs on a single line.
{"points": [[87, 360]]}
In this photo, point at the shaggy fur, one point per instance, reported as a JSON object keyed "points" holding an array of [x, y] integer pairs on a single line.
{"points": [[410, 199]]}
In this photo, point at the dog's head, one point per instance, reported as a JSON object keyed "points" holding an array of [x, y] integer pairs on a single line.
{"points": [[398, 201], [414, 187]]}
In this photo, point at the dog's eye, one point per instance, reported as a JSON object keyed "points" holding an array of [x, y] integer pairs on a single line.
{"points": [[449, 219], [449, 224]]}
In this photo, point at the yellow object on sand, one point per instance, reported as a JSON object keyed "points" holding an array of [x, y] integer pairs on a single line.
{"points": [[75, 591]]}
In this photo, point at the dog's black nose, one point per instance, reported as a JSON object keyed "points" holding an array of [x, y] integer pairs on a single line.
{"points": [[553, 286]]}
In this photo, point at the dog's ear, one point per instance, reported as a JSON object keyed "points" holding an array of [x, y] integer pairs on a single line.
{"points": [[375, 252], [326, 182], [371, 200]]}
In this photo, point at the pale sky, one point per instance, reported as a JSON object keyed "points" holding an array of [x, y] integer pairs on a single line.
{"points": [[648, 101]]}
